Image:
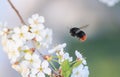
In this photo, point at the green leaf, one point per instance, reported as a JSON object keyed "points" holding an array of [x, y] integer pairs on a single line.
{"points": [[65, 65], [66, 69], [76, 64], [68, 73]]}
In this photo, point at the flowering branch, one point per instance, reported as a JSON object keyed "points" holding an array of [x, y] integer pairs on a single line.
{"points": [[25, 44], [22, 21], [17, 12]]}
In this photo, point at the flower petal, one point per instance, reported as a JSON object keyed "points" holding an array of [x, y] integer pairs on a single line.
{"points": [[36, 64], [40, 74], [45, 64], [41, 19], [34, 71], [28, 56], [47, 71], [78, 54]]}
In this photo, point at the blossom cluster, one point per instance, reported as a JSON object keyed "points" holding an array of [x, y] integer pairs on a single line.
{"points": [[110, 3], [25, 46]]}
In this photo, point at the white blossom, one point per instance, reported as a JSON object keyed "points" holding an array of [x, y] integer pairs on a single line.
{"points": [[22, 68], [31, 59], [21, 34], [14, 56], [80, 57], [3, 28], [41, 68], [47, 38], [38, 32], [110, 2], [12, 49], [24, 44], [67, 57], [36, 20], [57, 48], [80, 71], [60, 55], [4, 31], [11, 45]]}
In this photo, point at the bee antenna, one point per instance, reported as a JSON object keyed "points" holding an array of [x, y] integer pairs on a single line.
{"points": [[84, 26]]}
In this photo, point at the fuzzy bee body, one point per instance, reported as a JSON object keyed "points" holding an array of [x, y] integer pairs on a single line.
{"points": [[77, 32]]}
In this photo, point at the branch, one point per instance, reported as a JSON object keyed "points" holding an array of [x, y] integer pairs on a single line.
{"points": [[22, 21], [17, 12]]}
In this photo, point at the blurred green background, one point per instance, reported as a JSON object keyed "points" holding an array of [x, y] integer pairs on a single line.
{"points": [[102, 54], [102, 47]]}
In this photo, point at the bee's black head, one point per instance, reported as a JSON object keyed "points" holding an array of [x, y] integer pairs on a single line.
{"points": [[80, 34], [73, 31]]}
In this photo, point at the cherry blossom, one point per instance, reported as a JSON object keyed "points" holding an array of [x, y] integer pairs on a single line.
{"points": [[25, 46]]}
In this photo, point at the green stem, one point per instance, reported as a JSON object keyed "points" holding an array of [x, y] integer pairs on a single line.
{"points": [[53, 65], [54, 56], [55, 60], [73, 62]]}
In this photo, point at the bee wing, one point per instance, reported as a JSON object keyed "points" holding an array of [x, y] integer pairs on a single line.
{"points": [[84, 26], [77, 31]]}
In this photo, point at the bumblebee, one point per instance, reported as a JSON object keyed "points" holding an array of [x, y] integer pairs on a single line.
{"points": [[77, 32]]}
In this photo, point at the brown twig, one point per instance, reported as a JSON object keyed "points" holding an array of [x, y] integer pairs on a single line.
{"points": [[17, 12]]}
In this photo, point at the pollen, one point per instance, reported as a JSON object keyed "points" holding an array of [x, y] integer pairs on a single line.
{"points": [[36, 22], [48, 57], [21, 35], [40, 69]]}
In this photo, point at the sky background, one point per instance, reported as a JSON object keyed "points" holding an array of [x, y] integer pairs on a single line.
{"points": [[102, 47]]}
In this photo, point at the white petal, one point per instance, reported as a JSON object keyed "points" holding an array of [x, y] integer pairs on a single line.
{"points": [[51, 51], [35, 16], [29, 36], [16, 30], [41, 19], [40, 74], [24, 63], [66, 55], [34, 71], [45, 64], [85, 71], [38, 38], [32, 75], [59, 47], [71, 59], [40, 26], [28, 56], [84, 62], [78, 54], [24, 29], [36, 64], [16, 67], [15, 36], [110, 3], [25, 72], [19, 42], [47, 71], [61, 52], [30, 21], [35, 57], [81, 66]]}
